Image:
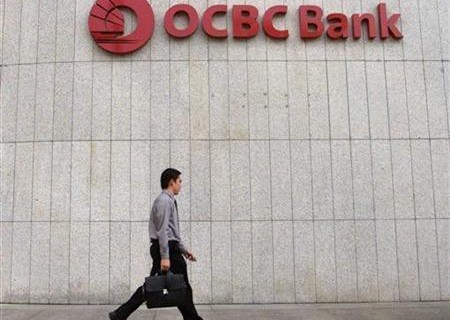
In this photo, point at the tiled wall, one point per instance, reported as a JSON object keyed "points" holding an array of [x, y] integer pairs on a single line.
{"points": [[313, 171]]}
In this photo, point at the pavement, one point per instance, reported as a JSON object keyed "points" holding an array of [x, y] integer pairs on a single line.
{"points": [[319, 311]]}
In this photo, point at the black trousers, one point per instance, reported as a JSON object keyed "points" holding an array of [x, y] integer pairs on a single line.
{"points": [[177, 265]]}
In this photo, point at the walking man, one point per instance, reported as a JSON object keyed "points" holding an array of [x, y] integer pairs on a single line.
{"points": [[167, 249]]}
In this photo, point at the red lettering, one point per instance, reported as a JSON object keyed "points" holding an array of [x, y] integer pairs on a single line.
{"points": [[357, 21], [338, 26], [268, 26], [311, 16], [192, 20], [387, 26], [245, 24], [207, 24]]}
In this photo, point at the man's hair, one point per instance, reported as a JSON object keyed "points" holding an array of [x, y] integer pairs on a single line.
{"points": [[168, 175]]}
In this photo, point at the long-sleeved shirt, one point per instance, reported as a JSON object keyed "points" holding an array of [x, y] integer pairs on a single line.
{"points": [[164, 223]]}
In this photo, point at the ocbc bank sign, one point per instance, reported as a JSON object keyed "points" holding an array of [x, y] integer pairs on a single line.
{"points": [[107, 23]]}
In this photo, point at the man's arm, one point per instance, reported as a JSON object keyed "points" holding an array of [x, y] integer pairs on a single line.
{"points": [[162, 224], [183, 248]]}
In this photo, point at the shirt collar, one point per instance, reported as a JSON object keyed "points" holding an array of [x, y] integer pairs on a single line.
{"points": [[168, 192]]}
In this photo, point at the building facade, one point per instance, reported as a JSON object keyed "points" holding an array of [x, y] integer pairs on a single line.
{"points": [[313, 170]]}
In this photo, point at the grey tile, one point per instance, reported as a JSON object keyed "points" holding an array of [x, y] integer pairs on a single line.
{"points": [[219, 113], [100, 180], [240, 180], [238, 100], [367, 260], [80, 181], [403, 191], [242, 276], [346, 266], [325, 265], [42, 174], [201, 277], [199, 100], [440, 153], [263, 262], [82, 101], [338, 94], [305, 262], [179, 100], [417, 102], [45, 84], [140, 100], [23, 188], [28, 31], [388, 278], [120, 180], [9, 90], [120, 105], [278, 100], [220, 180], [357, 99], [258, 100], [422, 179], [436, 100], [59, 262], [377, 100], [61, 181], [6, 230], [281, 180], [283, 257], [260, 183], [298, 98], [342, 180], [318, 100], [301, 180], [119, 262], [11, 31], [396, 99], [443, 232], [407, 259], [382, 180], [140, 201], [428, 259], [221, 260], [431, 40], [101, 105], [65, 30], [62, 110], [79, 262], [140, 260], [200, 180], [26, 103], [362, 179], [7, 174], [322, 180], [83, 49], [99, 241], [47, 30]]}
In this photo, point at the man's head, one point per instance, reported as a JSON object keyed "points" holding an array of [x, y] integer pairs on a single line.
{"points": [[171, 180]]}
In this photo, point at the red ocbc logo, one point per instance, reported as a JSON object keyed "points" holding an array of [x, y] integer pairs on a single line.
{"points": [[107, 25]]}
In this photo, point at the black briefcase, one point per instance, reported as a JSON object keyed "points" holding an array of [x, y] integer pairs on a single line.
{"points": [[163, 291]]}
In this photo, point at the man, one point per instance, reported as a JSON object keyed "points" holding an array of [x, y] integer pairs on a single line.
{"points": [[167, 249]]}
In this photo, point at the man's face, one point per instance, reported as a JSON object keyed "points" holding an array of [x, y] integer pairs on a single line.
{"points": [[176, 185]]}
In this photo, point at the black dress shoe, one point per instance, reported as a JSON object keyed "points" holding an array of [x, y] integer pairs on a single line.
{"points": [[113, 316]]}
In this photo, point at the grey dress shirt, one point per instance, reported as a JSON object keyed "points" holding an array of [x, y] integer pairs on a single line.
{"points": [[164, 223]]}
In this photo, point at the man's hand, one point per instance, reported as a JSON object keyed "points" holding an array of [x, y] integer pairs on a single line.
{"points": [[190, 256], [165, 264]]}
